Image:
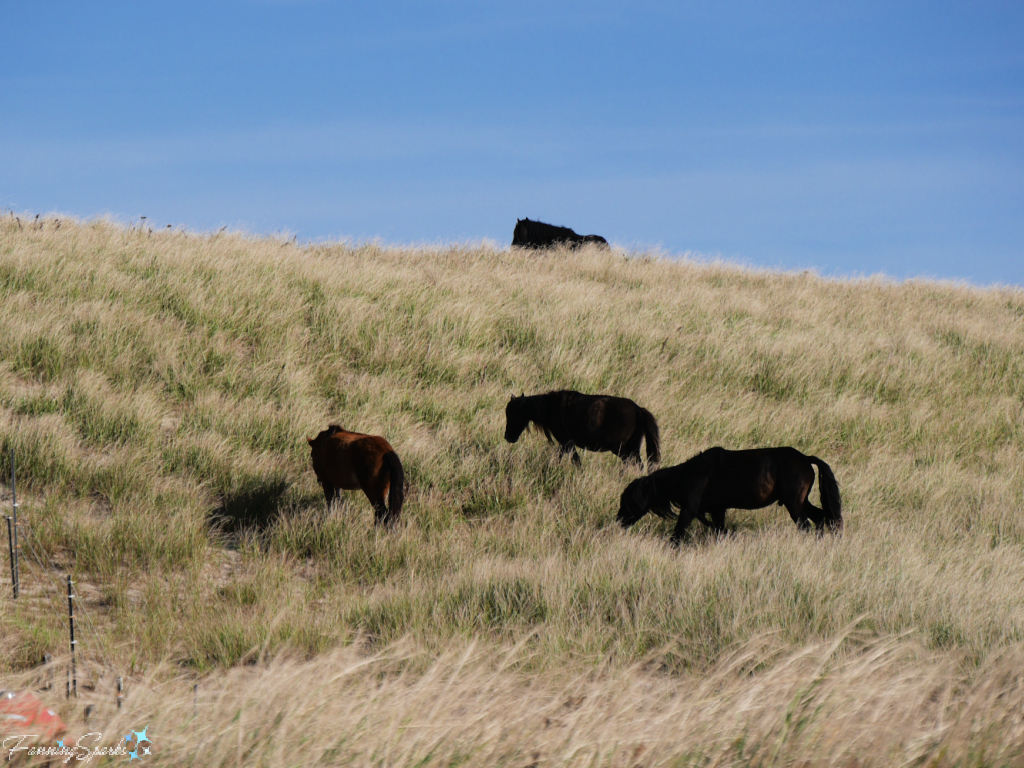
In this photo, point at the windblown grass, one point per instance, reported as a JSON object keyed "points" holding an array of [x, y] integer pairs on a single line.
{"points": [[879, 702], [156, 389]]}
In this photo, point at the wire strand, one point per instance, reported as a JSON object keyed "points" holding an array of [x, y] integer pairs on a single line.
{"points": [[49, 601], [86, 667], [81, 606]]}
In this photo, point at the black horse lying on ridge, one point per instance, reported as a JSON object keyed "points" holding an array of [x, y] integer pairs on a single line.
{"points": [[593, 422], [537, 234], [716, 480]]}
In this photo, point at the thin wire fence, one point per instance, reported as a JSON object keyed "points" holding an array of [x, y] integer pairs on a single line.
{"points": [[54, 589], [79, 604]]}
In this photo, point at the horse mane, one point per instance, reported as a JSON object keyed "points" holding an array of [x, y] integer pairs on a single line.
{"points": [[331, 431], [538, 427], [661, 505], [704, 461], [551, 408], [664, 482]]}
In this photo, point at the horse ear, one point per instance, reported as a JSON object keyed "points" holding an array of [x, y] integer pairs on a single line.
{"points": [[309, 440], [522, 394]]}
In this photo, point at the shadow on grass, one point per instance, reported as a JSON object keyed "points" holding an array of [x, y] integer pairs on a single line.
{"points": [[254, 506]]}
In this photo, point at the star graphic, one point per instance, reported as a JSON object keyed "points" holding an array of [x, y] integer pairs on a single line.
{"points": [[133, 756], [146, 751], [127, 737], [61, 744], [141, 735]]}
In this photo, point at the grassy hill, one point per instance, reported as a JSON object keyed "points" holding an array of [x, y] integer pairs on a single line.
{"points": [[156, 389]]}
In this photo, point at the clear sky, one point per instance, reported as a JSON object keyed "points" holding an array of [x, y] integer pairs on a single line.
{"points": [[853, 138]]}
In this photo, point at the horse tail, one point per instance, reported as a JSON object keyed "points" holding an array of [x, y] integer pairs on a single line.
{"points": [[831, 503], [651, 436], [396, 493]]}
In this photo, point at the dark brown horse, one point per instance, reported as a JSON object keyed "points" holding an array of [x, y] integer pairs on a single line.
{"points": [[716, 480], [537, 234], [351, 461], [593, 422]]}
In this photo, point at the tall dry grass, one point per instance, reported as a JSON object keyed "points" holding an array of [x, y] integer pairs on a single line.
{"points": [[878, 702], [156, 388]]}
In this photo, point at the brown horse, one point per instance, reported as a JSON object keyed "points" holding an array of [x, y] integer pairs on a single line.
{"points": [[716, 480], [351, 461]]}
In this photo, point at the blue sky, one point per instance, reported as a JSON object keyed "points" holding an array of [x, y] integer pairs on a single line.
{"points": [[849, 138]]}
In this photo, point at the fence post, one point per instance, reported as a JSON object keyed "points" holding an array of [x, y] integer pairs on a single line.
{"points": [[12, 534], [73, 682], [10, 549], [120, 692]]}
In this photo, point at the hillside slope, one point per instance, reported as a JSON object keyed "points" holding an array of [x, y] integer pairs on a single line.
{"points": [[157, 388]]}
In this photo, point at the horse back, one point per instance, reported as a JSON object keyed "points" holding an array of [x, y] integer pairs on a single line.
{"points": [[616, 415], [592, 422], [537, 234], [349, 459], [757, 477]]}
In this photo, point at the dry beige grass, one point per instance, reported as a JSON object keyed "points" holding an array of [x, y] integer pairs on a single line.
{"points": [[155, 386], [877, 703]]}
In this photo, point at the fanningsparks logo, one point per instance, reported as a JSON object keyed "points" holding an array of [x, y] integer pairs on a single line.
{"points": [[137, 739], [134, 745]]}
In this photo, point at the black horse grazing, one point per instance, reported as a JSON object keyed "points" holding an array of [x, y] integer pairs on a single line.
{"points": [[537, 234], [593, 422], [716, 480]]}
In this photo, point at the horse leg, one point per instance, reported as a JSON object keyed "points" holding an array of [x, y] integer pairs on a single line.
{"points": [[795, 507], [631, 459], [380, 509], [629, 451], [718, 521], [815, 515], [682, 523], [702, 515], [713, 519], [564, 449], [376, 489], [689, 507], [330, 493]]}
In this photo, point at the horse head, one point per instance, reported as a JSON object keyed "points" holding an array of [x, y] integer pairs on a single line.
{"points": [[331, 431], [316, 444], [516, 418], [635, 502], [520, 234]]}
